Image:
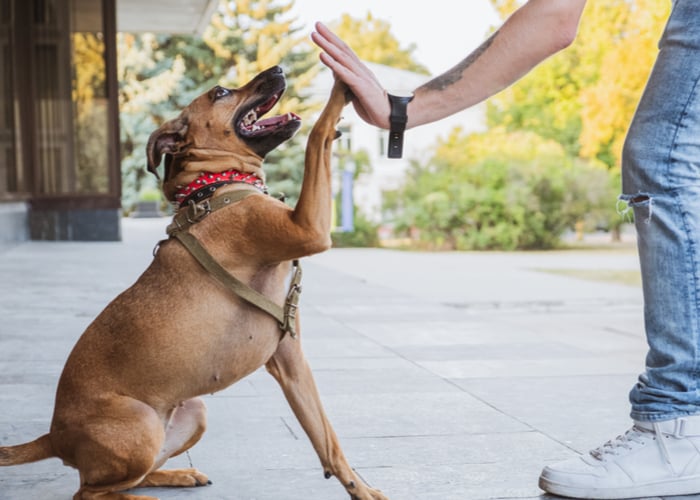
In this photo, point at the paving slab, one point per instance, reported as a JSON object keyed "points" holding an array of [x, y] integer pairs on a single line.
{"points": [[445, 375]]}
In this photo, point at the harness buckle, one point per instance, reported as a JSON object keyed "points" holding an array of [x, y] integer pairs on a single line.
{"points": [[197, 211], [290, 310], [291, 304]]}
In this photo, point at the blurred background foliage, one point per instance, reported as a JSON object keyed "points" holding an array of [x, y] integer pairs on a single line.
{"points": [[548, 162]]}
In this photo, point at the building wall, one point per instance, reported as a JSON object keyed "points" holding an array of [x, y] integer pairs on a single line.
{"points": [[13, 222], [59, 162]]}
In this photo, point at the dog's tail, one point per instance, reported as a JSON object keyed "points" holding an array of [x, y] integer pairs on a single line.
{"points": [[36, 450]]}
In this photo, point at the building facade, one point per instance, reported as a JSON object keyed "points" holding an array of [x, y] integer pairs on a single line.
{"points": [[59, 120], [59, 111]]}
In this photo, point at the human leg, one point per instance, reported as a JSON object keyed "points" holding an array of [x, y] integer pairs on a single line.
{"points": [[661, 183]]}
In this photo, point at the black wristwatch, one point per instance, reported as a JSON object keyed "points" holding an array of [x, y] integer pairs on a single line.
{"points": [[397, 120]]}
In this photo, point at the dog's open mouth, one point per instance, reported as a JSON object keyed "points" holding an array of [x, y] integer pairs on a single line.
{"points": [[251, 125]]}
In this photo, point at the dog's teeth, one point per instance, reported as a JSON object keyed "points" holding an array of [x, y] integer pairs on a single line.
{"points": [[250, 118]]}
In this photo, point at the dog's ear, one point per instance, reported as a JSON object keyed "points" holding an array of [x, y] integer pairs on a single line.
{"points": [[169, 138]]}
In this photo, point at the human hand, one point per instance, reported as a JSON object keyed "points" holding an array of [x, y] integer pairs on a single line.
{"points": [[369, 96]]}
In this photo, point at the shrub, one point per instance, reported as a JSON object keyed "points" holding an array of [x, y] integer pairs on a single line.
{"points": [[364, 234], [505, 191]]}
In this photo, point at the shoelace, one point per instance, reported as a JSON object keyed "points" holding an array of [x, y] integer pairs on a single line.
{"points": [[636, 435]]}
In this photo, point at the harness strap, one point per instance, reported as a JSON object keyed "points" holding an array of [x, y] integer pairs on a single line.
{"points": [[285, 315], [195, 212]]}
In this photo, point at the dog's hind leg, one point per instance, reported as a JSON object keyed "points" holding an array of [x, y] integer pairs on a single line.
{"points": [[122, 451], [288, 365], [115, 452], [185, 478], [110, 496], [187, 425]]}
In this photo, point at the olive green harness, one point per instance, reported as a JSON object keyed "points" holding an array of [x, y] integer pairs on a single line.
{"points": [[195, 212]]}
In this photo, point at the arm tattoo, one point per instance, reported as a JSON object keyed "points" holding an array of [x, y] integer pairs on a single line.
{"points": [[453, 75]]}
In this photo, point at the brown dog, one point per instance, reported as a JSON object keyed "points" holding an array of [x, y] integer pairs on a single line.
{"points": [[128, 396]]}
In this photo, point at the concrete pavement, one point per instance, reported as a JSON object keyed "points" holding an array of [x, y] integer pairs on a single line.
{"points": [[446, 375]]}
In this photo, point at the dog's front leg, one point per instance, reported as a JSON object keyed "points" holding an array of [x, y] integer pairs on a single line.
{"points": [[280, 234], [289, 367], [312, 214]]}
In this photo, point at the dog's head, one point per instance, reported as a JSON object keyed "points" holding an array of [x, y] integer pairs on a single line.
{"points": [[220, 130]]}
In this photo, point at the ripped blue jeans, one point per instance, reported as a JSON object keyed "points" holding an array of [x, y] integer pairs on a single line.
{"points": [[661, 183]]}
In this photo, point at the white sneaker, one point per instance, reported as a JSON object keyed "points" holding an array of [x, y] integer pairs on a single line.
{"points": [[650, 459]]}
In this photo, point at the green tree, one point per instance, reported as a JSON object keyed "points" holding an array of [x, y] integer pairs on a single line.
{"points": [[545, 101], [158, 76], [584, 97], [624, 65]]}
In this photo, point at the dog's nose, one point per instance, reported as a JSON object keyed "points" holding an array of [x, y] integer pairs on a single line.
{"points": [[274, 71]]}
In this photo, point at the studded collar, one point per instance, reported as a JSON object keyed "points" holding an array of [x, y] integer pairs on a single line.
{"points": [[207, 183]]}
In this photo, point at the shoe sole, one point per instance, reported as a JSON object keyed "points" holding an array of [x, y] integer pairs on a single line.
{"points": [[673, 487]]}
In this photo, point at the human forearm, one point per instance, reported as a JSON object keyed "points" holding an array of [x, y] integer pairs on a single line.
{"points": [[537, 30], [534, 32]]}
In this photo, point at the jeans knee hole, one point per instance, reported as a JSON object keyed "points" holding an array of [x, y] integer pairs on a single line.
{"points": [[639, 200], [641, 203]]}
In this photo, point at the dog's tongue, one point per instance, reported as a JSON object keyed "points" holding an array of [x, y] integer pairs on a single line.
{"points": [[274, 121]]}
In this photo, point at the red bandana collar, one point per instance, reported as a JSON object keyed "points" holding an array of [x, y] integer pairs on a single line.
{"points": [[207, 183]]}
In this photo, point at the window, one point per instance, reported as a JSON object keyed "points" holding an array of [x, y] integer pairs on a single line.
{"points": [[11, 180], [70, 105]]}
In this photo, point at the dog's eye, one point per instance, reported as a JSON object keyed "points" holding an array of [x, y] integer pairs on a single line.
{"points": [[220, 92]]}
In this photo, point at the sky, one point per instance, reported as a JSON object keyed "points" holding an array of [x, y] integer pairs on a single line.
{"points": [[443, 31]]}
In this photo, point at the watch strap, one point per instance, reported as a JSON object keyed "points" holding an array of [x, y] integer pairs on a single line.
{"points": [[397, 121]]}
